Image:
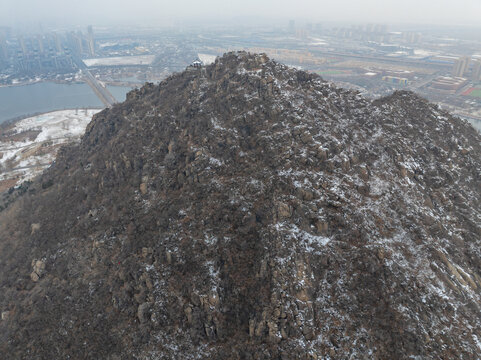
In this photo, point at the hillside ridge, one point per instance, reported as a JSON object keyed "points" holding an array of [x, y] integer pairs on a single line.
{"points": [[249, 210]]}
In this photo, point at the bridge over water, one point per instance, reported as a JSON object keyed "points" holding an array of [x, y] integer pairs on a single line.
{"points": [[102, 92]]}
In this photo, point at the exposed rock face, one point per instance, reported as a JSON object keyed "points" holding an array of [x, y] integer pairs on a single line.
{"points": [[38, 269], [250, 211]]}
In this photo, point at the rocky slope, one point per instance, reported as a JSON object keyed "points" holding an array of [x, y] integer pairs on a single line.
{"points": [[247, 210]]}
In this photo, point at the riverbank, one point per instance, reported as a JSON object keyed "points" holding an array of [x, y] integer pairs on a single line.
{"points": [[42, 97], [40, 80]]}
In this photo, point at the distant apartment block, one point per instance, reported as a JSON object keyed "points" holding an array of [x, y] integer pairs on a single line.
{"points": [[460, 66], [3, 48], [90, 41], [476, 73], [411, 37], [292, 26]]}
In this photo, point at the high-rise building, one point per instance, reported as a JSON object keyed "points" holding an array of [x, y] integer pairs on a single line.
{"points": [[3, 48], [292, 26], [58, 43], [40, 43], [460, 66], [90, 40], [21, 40], [4, 35], [6, 32], [476, 74], [301, 34], [80, 42], [75, 42], [411, 37]]}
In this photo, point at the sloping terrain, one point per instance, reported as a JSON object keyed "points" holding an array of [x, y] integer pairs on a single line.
{"points": [[247, 210]]}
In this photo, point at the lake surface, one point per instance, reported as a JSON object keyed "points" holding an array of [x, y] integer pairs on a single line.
{"points": [[23, 100]]}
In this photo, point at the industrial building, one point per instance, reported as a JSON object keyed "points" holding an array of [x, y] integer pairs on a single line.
{"points": [[449, 84], [395, 80]]}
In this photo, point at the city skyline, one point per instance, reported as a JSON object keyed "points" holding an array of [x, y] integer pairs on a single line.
{"points": [[56, 12]]}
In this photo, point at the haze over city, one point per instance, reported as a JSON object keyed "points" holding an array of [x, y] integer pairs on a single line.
{"points": [[58, 12]]}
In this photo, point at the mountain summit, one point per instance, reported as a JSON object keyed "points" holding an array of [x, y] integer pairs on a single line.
{"points": [[247, 210]]}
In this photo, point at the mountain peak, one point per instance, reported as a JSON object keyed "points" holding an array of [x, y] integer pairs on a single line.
{"points": [[249, 208]]}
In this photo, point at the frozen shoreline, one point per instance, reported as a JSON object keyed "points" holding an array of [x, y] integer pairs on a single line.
{"points": [[29, 145]]}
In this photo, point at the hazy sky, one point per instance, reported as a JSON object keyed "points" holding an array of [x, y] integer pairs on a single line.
{"points": [[16, 12]]}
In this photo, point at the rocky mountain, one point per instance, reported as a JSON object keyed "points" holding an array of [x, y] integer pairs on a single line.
{"points": [[247, 210]]}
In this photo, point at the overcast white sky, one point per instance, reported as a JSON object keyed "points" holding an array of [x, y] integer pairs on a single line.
{"points": [[16, 12]]}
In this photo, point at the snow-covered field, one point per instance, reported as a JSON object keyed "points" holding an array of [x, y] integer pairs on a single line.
{"points": [[120, 61], [29, 146]]}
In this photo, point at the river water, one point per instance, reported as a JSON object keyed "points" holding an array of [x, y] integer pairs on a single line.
{"points": [[23, 100]]}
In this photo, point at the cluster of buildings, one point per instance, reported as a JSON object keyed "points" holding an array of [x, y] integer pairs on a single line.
{"points": [[369, 32], [43, 53], [39, 54], [462, 68], [411, 37], [463, 71], [303, 32], [82, 44]]}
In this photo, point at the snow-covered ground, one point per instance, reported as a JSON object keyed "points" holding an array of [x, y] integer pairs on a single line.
{"points": [[29, 146], [120, 60], [317, 42], [207, 59]]}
